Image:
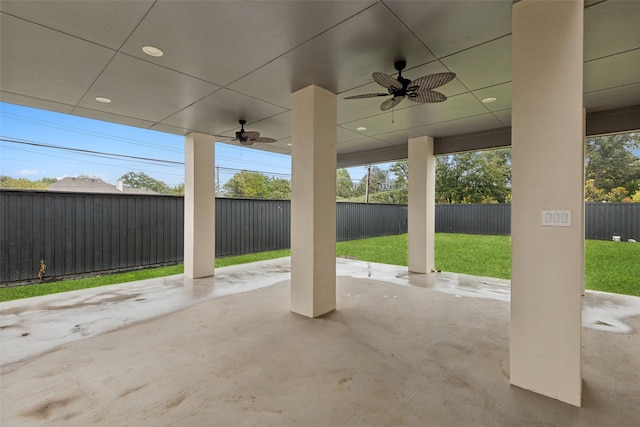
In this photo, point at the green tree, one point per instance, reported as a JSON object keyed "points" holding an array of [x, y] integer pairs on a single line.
{"points": [[592, 193], [178, 190], [611, 163], [618, 194], [96, 178], [377, 182], [257, 185], [279, 188], [142, 180], [475, 177], [247, 184], [401, 175], [24, 183], [393, 197], [49, 180], [344, 185], [400, 183]]}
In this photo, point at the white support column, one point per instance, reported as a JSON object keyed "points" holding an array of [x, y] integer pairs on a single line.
{"points": [[199, 206], [422, 207], [548, 162], [313, 202]]}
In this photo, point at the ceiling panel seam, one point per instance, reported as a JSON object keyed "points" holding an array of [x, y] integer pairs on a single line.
{"points": [[611, 87], [613, 54], [434, 124], [475, 46], [299, 45], [58, 31], [110, 60], [416, 37]]}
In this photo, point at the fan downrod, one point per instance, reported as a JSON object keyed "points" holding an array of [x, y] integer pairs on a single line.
{"points": [[400, 65]]}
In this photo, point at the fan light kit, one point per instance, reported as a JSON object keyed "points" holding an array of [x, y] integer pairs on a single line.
{"points": [[418, 90], [248, 137]]}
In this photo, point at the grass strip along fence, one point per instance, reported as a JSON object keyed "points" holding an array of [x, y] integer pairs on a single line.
{"points": [[609, 266]]}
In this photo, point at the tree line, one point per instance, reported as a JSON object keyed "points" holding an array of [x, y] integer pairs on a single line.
{"points": [[612, 174], [130, 180]]}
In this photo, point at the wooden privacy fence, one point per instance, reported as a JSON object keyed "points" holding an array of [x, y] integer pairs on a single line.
{"points": [[83, 233]]}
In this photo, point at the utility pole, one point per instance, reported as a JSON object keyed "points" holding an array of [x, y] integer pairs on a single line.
{"points": [[366, 194], [217, 181]]}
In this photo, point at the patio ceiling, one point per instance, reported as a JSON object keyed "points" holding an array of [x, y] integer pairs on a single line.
{"points": [[227, 60]]}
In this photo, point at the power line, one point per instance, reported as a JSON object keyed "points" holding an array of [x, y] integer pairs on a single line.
{"points": [[124, 156], [273, 174], [148, 159], [86, 132], [252, 162], [92, 152]]}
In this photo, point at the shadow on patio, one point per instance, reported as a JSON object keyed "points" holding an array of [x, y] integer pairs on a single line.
{"points": [[401, 349]]}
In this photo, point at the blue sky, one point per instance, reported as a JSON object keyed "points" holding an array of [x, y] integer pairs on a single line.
{"points": [[32, 126]]}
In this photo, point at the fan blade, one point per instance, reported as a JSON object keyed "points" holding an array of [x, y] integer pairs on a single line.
{"points": [[367, 95], [226, 137], [431, 81], [250, 135], [264, 139], [390, 103], [387, 81], [426, 96]]}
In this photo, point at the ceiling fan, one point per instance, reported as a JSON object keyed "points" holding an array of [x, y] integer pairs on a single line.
{"points": [[248, 137], [419, 90]]}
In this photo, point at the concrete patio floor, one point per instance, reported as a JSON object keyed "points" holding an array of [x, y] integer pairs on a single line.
{"points": [[401, 349]]}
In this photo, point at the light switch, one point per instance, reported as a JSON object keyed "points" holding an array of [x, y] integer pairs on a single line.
{"points": [[556, 218]]}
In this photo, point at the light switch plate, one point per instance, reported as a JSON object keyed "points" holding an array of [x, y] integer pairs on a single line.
{"points": [[556, 218]]}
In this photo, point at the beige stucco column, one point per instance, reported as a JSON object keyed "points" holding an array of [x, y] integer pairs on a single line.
{"points": [[422, 189], [199, 205], [313, 201], [547, 220]]}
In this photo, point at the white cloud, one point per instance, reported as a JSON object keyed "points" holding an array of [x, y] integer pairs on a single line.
{"points": [[28, 172]]}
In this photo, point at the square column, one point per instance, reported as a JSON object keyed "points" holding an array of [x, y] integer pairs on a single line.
{"points": [[313, 201], [199, 206], [422, 205], [548, 179]]}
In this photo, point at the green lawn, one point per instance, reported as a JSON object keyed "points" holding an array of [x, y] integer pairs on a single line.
{"points": [[613, 267], [609, 266], [18, 292]]}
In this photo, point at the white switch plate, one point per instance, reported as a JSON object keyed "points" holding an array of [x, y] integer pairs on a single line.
{"points": [[556, 218]]}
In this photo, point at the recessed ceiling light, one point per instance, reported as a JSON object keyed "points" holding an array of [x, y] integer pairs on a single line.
{"points": [[152, 51], [361, 128], [103, 99], [488, 100], [289, 145]]}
